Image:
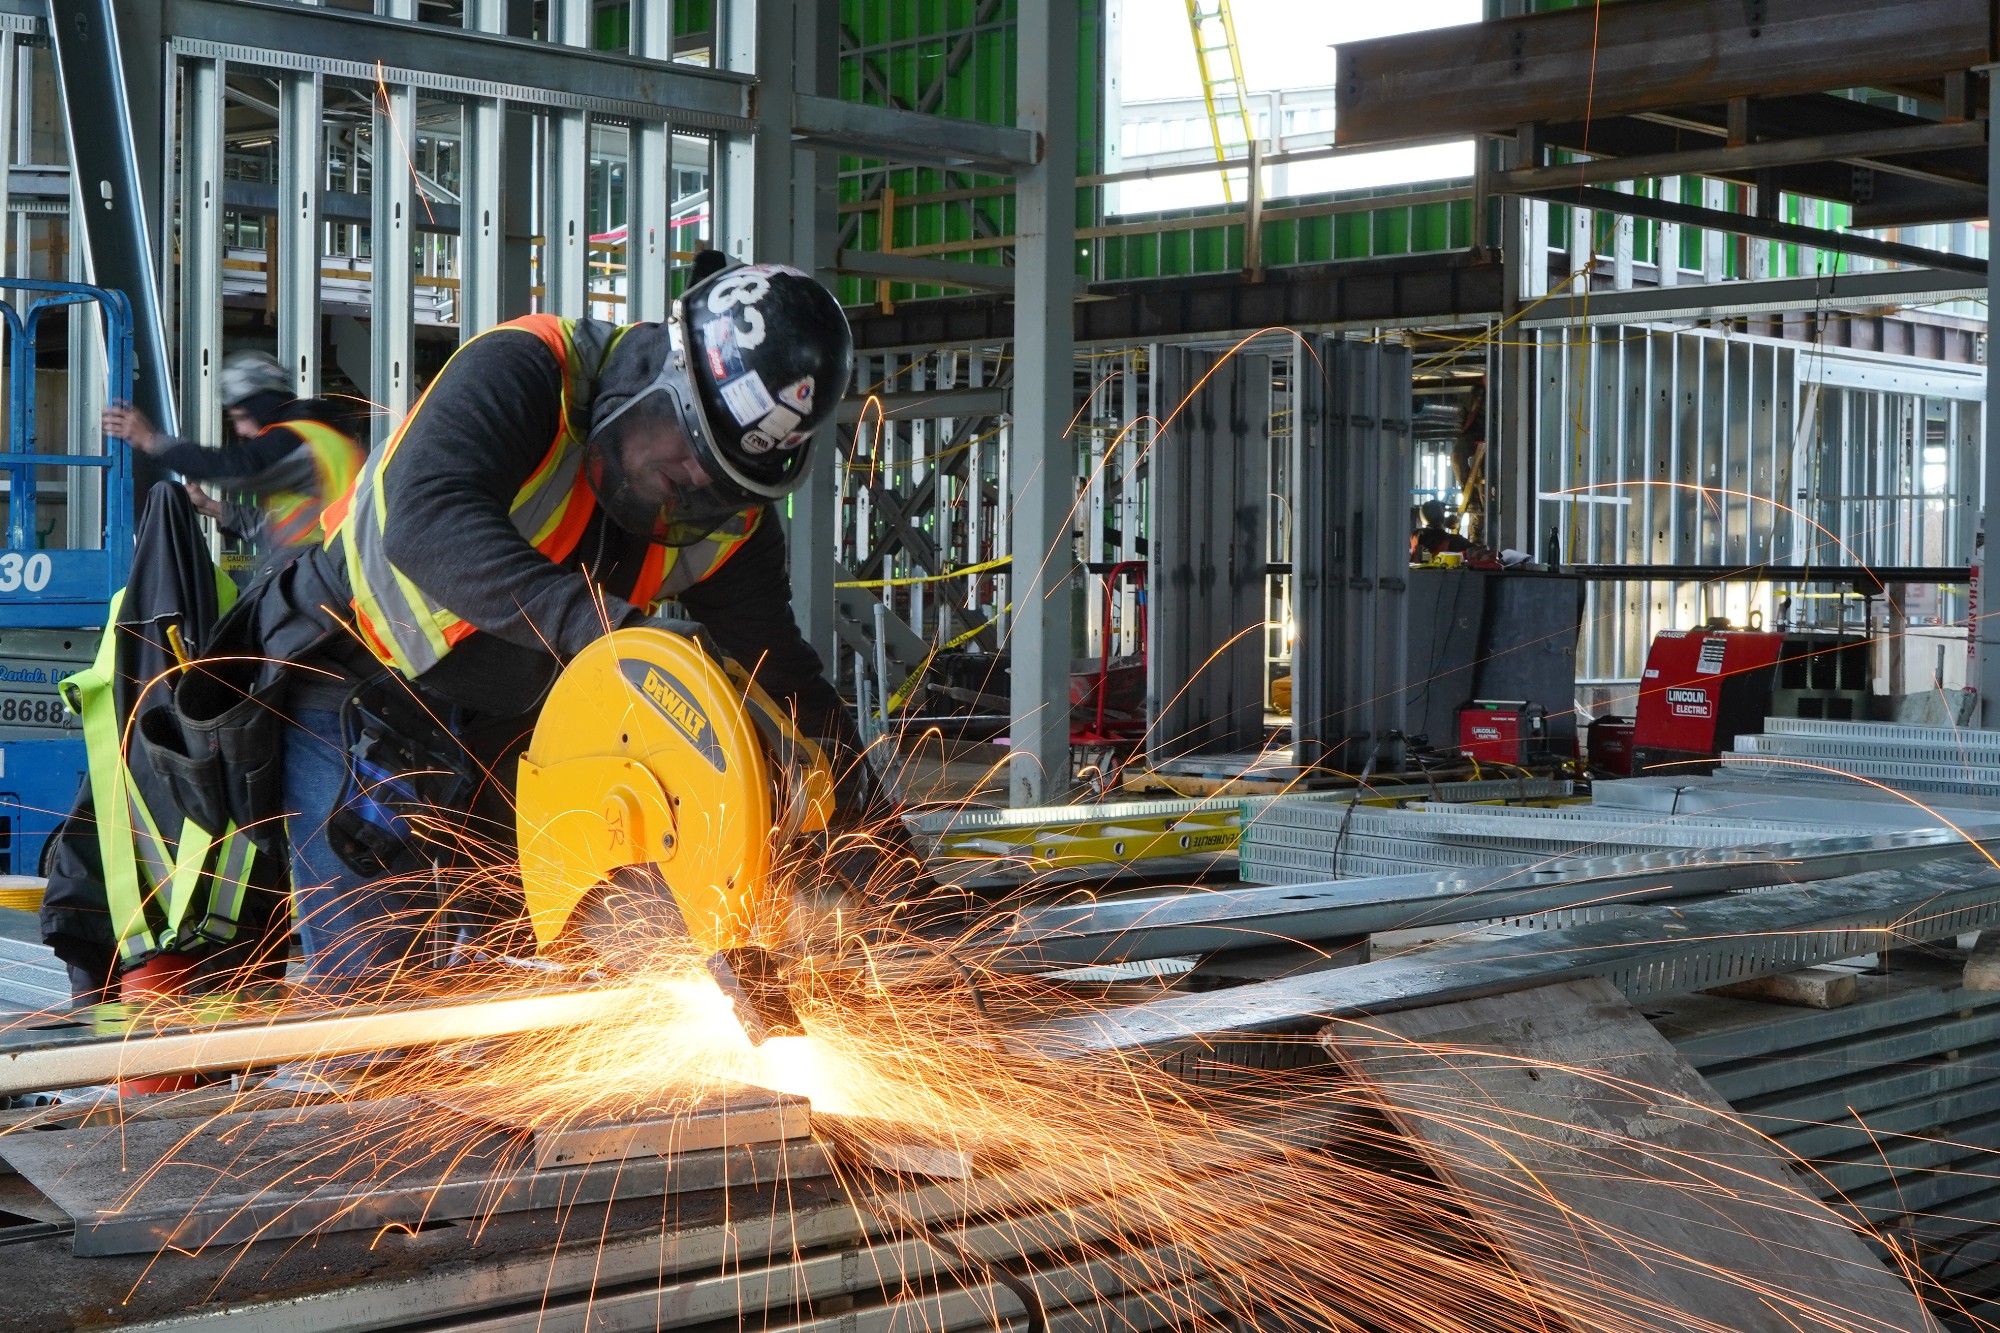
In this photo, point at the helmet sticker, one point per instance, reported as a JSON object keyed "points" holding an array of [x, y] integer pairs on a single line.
{"points": [[739, 290], [747, 398], [725, 359], [757, 442], [795, 440], [779, 422], [798, 395]]}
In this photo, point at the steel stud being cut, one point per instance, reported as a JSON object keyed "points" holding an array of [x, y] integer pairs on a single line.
{"points": [[756, 982]]}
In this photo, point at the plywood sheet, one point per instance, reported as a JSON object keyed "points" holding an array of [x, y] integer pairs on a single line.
{"points": [[1609, 1172]]}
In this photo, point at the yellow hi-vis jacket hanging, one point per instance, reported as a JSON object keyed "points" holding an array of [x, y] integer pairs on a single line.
{"points": [[128, 834], [292, 518], [401, 624]]}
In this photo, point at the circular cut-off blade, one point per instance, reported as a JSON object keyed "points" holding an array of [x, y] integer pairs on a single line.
{"points": [[632, 923]]}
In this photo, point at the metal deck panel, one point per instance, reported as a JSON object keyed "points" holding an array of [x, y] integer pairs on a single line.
{"points": [[32, 979]]}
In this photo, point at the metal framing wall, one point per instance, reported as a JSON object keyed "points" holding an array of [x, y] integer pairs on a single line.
{"points": [[1679, 447], [455, 168]]}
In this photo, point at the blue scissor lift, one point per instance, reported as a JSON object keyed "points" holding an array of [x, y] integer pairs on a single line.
{"points": [[53, 599]]}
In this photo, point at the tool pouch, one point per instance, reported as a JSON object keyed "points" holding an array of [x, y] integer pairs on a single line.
{"points": [[409, 787], [229, 718], [196, 782]]}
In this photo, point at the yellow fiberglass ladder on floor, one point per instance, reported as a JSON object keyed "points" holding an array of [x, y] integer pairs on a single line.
{"points": [[1222, 86]]}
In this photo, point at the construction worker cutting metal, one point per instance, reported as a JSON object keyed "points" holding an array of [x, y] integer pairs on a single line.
{"points": [[557, 482], [292, 456]]}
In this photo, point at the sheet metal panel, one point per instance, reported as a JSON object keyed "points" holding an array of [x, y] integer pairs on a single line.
{"points": [[1210, 478], [1350, 579]]}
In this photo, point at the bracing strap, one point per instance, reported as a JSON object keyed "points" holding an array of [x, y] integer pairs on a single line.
{"points": [[128, 836], [90, 696]]}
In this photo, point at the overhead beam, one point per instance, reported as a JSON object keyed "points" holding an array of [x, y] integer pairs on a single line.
{"points": [[934, 272], [1900, 189], [262, 197], [461, 62], [1770, 229], [1860, 148], [1598, 61], [1837, 291], [1406, 290], [926, 406], [908, 136]]}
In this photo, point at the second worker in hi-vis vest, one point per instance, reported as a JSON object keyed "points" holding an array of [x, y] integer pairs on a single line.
{"points": [[291, 457], [557, 479]]}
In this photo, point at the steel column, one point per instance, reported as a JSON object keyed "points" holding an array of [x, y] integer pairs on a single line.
{"points": [[566, 247], [814, 529], [392, 321], [481, 215], [10, 97], [1043, 464], [88, 377], [749, 38], [201, 248], [301, 177], [649, 177], [755, 212], [119, 171], [1985, 674]]}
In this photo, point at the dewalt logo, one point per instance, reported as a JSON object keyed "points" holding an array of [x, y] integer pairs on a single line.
{"points": [[675, 705], [674, 701]]}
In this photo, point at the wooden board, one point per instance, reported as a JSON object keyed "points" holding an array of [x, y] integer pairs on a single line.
{"points": [[1608, 1171], [151, 1185]]}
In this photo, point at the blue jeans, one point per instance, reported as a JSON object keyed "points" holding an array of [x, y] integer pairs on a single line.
{"points": [[356, 932]]}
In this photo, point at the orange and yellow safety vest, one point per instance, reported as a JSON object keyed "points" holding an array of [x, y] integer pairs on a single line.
{"points": [[407, 629], [292, 518]]}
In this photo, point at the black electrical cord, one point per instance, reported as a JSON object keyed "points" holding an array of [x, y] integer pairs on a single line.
{"points": [[1347, 816]]}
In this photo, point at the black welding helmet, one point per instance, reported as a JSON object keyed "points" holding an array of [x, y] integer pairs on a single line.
{"points": [[758, 356]]}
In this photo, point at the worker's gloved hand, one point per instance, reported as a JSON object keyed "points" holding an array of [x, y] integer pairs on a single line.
{"points": [[126, 422], [203, 502]]}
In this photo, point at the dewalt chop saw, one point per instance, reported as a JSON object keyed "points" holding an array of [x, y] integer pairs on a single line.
{"points": [[659, 788]]}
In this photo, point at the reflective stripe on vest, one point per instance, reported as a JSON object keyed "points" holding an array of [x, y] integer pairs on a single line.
{"points": [[293, 518], [401, 624]]}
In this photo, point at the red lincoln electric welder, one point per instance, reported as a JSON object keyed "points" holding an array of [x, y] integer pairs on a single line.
{"points": [[1503, 731], [1704, 688]]}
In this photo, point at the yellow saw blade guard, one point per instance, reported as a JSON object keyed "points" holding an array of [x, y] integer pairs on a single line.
{"points": [[648, 752]]}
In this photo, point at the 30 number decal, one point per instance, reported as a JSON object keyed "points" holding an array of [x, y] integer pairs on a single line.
{"points": [[30, 572]]}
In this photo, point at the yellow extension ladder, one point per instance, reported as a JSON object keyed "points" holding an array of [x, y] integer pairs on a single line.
{"points": [[1222, 84]]}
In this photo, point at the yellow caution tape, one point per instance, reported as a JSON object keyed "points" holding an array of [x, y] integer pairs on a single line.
{"points": [[929, 578], [911, 681]]}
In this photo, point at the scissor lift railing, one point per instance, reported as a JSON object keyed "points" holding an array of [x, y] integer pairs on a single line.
{"points": [[63, 588], [53, 599]]}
